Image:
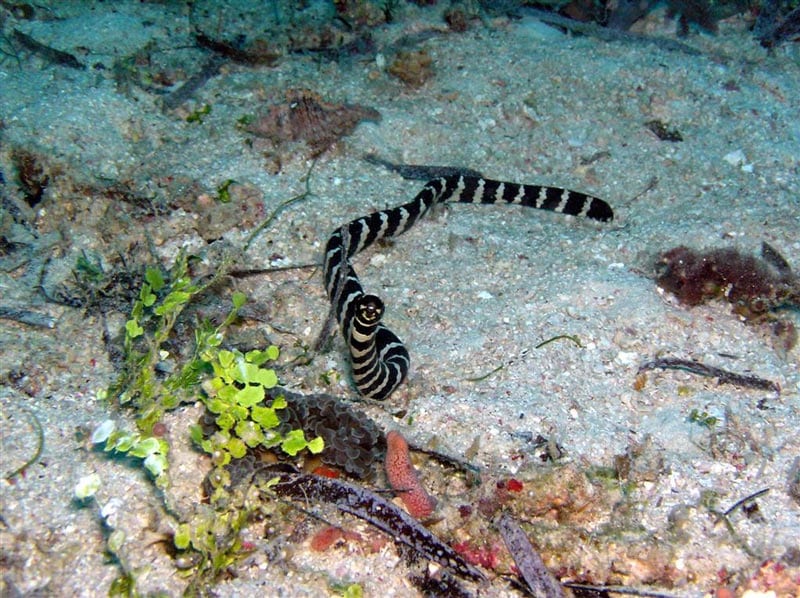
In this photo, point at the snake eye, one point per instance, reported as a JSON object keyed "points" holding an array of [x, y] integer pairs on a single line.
{"points": [[370, 309]]}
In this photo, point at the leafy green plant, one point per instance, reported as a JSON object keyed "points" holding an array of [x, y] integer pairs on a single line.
{"points": [[160, 302], [153, 451], [224, 191], [232, 385], [236, 396], [212, 538], [89, 269], [198, 114]]}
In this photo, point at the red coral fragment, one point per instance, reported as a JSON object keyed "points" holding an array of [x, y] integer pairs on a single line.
{"points": [[325, 538], [485, 556], [403, 477], [331, 535], [514, 485], [326, 472]]}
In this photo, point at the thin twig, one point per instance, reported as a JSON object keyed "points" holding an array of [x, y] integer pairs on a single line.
{"points": [[37, 427], [607, 34], [44, 51], [281, 207], [484, 376], [616, 590], [331, 320], [569, 337], [246, 273], [210, 69], [449, 460], [740, 502], [25, 316]]}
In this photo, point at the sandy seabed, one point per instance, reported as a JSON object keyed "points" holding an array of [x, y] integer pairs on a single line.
{"points": [[468, 290]]}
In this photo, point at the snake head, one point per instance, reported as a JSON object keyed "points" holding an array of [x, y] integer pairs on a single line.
{"points": [[369, 310]]}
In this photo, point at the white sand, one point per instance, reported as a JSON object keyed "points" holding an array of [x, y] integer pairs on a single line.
{"points": [[467, 290]]}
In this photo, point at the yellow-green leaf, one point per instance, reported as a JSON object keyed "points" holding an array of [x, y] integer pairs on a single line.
{"points": [[267, 378], [294, 442], [250, 395], [226, 358], [279, 402], [133, 329], [183, 536], [317, 445], [265, 417], [236, 448], [238, 299]]}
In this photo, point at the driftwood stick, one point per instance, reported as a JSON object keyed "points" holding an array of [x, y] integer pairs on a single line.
{"points": [[607, 34], [722, 376], [25, 316], [331, 322], [603, 590], [375, 510], [46, 52]]}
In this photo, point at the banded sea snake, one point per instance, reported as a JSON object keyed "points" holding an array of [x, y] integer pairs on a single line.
{"points": [[379, 359]]}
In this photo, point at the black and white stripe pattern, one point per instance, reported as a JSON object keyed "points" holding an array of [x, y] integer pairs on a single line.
{"points": [[380, 360]]}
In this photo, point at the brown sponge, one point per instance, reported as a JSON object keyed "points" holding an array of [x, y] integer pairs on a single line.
{"points": [[353, 442]]}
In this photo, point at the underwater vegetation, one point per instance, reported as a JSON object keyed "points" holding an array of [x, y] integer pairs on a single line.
{"points": [[249, 423], [248, 416], [230, 384]]}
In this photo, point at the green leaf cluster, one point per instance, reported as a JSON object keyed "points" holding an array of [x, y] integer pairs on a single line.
{"points": [[151, 450], [236, 396], [702, 418], [214, 536], [142, 383], [198, 114], [161, 300], [224, 191], [89, 269]]}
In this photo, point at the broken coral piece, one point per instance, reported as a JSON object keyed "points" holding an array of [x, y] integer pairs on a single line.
{"points": [[403, 477], [304, 116]]}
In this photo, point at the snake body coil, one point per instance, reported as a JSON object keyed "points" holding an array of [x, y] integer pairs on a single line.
{"points": [[379, 359]]}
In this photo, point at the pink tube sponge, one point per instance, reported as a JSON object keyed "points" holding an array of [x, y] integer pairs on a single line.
{"points": [[403, 477]]}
